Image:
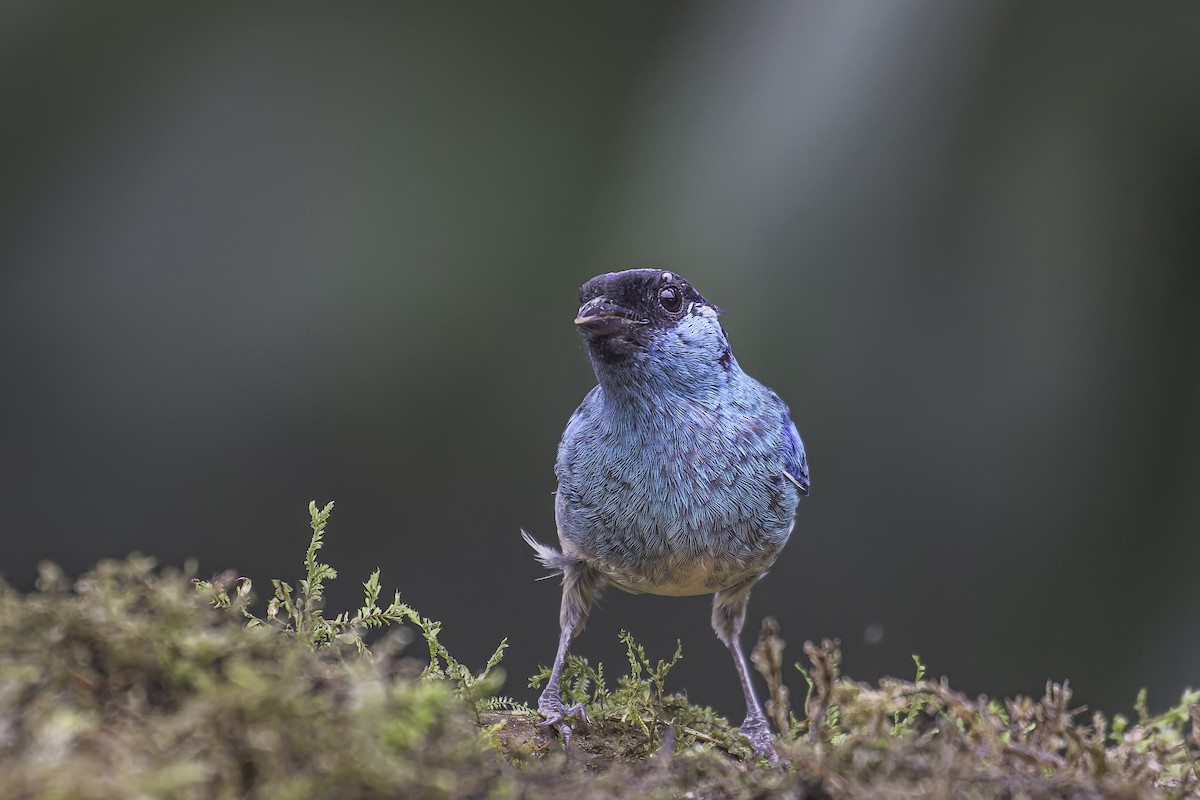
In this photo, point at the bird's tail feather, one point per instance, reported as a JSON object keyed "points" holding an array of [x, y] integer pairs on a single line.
{"points": [[551, 559]]}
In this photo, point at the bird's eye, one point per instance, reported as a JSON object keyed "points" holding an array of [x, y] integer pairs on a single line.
{"points": [[670, 298]]}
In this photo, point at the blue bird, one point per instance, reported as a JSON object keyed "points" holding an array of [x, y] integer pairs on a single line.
{"points": [[679, 474]]}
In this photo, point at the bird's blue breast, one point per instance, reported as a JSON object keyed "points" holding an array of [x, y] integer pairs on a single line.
{"points": [[671, 494]]}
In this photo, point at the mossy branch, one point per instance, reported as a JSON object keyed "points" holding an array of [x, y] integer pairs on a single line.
{"points": [[127, 682]]}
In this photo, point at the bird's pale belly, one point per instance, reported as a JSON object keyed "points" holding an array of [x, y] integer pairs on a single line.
{"points": [[676, 575]]}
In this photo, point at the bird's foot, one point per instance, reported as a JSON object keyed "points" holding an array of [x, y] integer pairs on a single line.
{"points": [[556, 715], [758, 732]]}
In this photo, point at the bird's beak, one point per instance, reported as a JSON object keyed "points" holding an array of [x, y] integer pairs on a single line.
{"points": [[602, 317]]}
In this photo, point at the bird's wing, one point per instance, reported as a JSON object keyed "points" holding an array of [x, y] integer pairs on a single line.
{"points": [[795, 461]]}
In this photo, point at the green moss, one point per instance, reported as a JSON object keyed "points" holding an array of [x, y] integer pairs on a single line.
{"points": [[139, 682], [132, 685]]}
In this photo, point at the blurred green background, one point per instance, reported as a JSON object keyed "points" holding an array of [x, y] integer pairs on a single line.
{"points": [[255, 254]]}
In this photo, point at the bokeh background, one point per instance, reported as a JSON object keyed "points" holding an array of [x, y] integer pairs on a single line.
{"points": [[255, 254]]}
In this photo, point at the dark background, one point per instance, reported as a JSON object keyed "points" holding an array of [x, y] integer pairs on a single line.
{"points": [[257, 254]]}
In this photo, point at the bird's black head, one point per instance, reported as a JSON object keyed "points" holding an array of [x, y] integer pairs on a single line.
{"points": [[622, 312]]}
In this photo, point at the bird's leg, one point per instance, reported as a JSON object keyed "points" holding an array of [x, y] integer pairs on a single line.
{"points": [[579, 588], [729, 613], [550, 702]]}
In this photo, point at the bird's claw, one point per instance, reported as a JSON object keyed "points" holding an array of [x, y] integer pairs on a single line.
{"points": [[758, 732], [575, 711], [556, 716]]}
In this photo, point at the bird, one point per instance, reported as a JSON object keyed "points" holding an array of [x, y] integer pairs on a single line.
{"points": [[678, 474]]}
